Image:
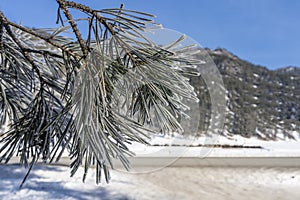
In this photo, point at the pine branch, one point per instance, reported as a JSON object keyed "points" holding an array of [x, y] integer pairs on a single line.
{"points": [[42, 52], [79, 110], [44, 38], [5, 23], [88, 10], [1, 36], [84, 48]]}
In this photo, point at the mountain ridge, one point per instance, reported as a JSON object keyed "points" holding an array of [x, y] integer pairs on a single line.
{"points": [[260, 102]]}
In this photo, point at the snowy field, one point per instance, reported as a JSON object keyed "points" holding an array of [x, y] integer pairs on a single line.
{"points": [[180, 146], [53, 182], [156, 181]]}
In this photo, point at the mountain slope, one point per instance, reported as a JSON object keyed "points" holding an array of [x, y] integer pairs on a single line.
{"points": [[260, 102]]}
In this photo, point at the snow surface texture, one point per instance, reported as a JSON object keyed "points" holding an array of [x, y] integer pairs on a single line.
{"points": [[53, 182]]}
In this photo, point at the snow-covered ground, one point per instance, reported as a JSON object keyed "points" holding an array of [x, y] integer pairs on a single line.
{"points": [[53, 182], [180, 146], [215, 182]]}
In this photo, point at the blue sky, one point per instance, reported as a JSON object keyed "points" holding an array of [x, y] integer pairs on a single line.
{"points": [[265, 32]]}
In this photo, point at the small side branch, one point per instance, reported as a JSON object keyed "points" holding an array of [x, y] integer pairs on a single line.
{"points": [[87, 9], [43, 52], [26, 55], [84, 48], [46, 39], [1, 36]]}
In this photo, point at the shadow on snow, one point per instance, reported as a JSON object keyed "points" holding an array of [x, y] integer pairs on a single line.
{"points": [[11, 177]]}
